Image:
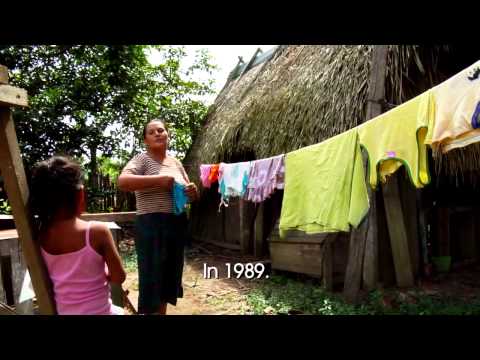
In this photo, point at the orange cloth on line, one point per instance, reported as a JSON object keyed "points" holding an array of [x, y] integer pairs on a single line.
{"points": [[457, 104], [213, 177]]}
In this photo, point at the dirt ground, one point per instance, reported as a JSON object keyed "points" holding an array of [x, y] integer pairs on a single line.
{"points": [[220, 296], [227, 296]]}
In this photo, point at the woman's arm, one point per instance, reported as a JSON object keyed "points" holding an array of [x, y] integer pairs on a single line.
{"points": [[131, 182]]}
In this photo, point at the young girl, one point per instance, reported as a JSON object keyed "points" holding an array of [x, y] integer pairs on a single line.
{"points": [[81, 256]]}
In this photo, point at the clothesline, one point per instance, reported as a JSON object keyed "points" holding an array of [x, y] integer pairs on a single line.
{"points": [[324, 184]]}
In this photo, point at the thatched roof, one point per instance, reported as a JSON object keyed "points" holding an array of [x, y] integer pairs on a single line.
{"points": [[303, 95]]}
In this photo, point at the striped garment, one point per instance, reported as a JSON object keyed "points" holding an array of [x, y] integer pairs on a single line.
{"points": [[155, 200]]}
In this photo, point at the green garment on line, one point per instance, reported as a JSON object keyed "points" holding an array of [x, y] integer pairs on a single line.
{"points": [[397, 138], [325, 189]]}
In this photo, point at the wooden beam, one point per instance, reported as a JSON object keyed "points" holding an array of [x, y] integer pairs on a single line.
{"points": [[398, 232], [20, 279], [244, 233], [6, 310], [217, 243], [258, 231], [356, 252], [443, 231], [17, 192], [3, 75], [327, 271], [118, 217], [376, 94], [12, 96], [3, 298]]}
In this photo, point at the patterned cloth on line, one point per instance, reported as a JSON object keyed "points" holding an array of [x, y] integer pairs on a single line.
{"points": [[233, 180], [266, 175]]}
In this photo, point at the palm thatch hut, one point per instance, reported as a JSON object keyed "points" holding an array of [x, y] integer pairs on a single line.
{"points": [[295, 96]]}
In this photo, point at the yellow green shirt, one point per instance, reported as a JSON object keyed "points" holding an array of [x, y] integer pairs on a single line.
{"points": [[325, 188]]}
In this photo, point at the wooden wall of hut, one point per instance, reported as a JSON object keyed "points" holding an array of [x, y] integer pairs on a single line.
{"points": [[230, 227]]}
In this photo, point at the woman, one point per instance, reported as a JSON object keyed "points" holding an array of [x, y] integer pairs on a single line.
{"points": [[160, 234]]}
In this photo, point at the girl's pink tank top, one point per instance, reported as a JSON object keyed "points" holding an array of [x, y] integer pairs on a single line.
{"points": [[80, 281]]}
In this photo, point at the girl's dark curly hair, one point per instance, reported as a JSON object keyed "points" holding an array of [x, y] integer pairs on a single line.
{"points": [[53, 187]]}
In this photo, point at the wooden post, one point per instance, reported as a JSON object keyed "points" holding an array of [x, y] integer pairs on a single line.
{"points": [[23, 306], [356, 253], [363, 248], [327, 271], [258, 232], [3, 298], [17, 191], [3, 75], [376, 94], [244, 239], [443, 231], [398, 232]]}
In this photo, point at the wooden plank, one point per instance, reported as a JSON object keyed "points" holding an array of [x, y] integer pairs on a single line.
{"points": [[408, 196], [23, 298], [327, 278], [6, 310], [8, 234], [423, 233], [299, 258], [12, 96], [398, 233], [376, 94], [443, 231], [217, 243], [17, 192], [118, 217], [259, 231], [356, 252], [3, 298], [3, 75], [245, 246]]}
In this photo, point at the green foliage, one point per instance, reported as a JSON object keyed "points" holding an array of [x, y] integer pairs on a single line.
{"points": [[110, 167], [5, 207], [88, 98], [281, 295]]}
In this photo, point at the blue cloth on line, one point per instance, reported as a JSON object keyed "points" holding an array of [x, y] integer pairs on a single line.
{"points": [[180, 199]]}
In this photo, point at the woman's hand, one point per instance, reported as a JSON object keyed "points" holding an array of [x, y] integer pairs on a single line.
{"points": [[191, 192]]}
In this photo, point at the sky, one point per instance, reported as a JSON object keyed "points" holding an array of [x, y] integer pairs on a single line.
{"points": [[225, 57]]}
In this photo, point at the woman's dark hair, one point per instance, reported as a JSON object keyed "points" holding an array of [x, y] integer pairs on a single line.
{"points": [[53, 187], [146, 125]]}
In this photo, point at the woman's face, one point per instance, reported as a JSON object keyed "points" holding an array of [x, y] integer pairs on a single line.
{"points": [[156, 135]]}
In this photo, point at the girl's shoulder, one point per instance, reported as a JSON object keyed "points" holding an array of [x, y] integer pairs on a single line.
{"points": [[99, 233]]}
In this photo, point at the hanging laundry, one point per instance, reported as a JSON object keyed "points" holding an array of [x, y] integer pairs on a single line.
{"points": [[266, 175], [213, 176], [325, 189], [396, 138], [233, 180], [180, 199], [457, 111], [205, 175]]}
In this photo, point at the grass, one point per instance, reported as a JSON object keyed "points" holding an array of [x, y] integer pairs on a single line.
{"points": [[129, 260], [281, 295]]}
